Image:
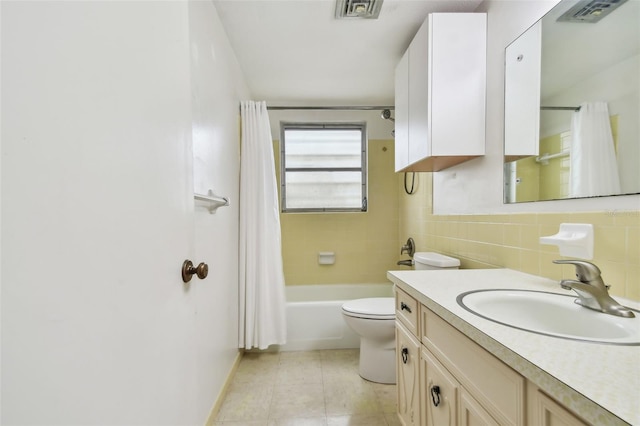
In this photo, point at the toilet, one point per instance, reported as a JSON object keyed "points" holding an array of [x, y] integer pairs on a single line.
{"points": [[373, 319], [429, 260]]}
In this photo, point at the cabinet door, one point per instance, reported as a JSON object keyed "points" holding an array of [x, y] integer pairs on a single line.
{"points": [[408, 376], [550, 413], [499, 389], [439, 391], [472, 413], [522, 95], [419, 96], [401, 127], [457, 83]]}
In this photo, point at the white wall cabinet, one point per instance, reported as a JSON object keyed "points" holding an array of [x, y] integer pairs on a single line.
{"points": [[440, 93], [460, 383], [522, 95]]}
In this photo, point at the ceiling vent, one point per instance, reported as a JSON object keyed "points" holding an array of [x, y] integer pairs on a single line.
{"points": [[590, 11], [363, 9]]}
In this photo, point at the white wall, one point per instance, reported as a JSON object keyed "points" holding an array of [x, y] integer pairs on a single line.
{"points": [[104, 105], [217, 85], [476, 187], [377, 127]]}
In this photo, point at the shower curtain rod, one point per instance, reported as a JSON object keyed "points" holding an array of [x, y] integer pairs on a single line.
{"points": [[332, 108], [559, 108]]}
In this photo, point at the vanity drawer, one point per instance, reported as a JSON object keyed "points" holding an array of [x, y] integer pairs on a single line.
{"points": [[407, 311], [498, 388]]}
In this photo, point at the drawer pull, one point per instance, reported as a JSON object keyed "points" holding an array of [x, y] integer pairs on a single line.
{"points": [[405, 355], [405, 307], [435, 395]]}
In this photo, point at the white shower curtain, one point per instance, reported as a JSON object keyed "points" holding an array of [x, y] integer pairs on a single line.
{"points": [[262, 297], [594, 169]]}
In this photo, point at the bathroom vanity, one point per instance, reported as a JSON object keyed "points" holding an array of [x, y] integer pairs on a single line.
{"points": [[455, 367]]}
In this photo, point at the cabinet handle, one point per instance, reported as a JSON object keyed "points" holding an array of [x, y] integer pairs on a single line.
{"points": [[405, 307], [405, 355], [435, 395]]}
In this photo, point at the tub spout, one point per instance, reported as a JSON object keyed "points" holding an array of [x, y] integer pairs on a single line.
{"points": [[408, 262]]}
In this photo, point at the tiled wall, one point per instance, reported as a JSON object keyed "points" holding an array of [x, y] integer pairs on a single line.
{"points": [[511, 240], [365, 244]]}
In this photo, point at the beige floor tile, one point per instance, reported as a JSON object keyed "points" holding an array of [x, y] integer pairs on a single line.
{"points": [[299, 374], [313, 421], [300, 356], [257, 368], [387, 397], [246, 402], [357, 420], [312, 388], [340, 365], [297, 401], [350, 397], [350, 354], [261, 357]]}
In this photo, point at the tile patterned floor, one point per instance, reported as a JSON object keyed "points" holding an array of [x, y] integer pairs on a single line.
{"points": [[315, 388]]}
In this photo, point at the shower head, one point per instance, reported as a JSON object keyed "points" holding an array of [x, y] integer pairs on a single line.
{"points": [[386, 114]]}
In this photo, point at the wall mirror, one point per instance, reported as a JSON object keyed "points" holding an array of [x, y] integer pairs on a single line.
{"points": [[572, 104]]}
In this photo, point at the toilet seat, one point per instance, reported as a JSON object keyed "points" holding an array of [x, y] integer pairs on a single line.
{"points": [[376, 308]]}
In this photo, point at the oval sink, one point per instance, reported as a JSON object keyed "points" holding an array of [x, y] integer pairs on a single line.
{"points": [[552, 315]]}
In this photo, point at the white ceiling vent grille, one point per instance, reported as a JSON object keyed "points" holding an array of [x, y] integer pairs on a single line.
{"points": [[363, 9], [590, 11]]}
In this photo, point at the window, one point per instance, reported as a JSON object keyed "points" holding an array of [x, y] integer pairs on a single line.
{"points": [[323, 167]]}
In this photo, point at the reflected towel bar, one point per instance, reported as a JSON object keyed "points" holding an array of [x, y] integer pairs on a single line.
{"points": [[214, 201], [559, 108], [544, 159]]}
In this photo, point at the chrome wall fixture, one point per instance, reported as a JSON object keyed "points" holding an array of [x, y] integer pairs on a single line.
{"points": [[386, 114], [409, 247], [214, 201]]}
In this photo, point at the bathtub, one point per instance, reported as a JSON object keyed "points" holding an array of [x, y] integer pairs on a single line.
{"points": [[314, 315]]}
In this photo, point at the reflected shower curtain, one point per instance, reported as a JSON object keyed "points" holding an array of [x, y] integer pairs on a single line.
{"points": [[261, 286], [594, 169]]}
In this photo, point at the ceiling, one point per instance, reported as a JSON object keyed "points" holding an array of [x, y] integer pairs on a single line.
{"points": [[573, 52], [294, 52]]}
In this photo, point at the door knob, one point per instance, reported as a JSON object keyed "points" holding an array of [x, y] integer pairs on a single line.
{"points": [[188, 270]]}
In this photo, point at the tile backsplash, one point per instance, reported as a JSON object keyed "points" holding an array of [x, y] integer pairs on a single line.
{"points": [[512, 240]]}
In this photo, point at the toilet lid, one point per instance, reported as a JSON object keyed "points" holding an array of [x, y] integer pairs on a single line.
{"points": [[380, 308]]}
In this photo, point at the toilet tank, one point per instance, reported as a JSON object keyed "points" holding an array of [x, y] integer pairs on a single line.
{"points": [[430, 260]]}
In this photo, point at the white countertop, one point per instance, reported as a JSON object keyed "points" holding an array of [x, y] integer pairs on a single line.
{"points": [[600, 382]]}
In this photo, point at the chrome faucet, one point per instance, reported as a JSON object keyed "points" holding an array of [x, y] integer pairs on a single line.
{"points": [[592, 292], [409, 247]]}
